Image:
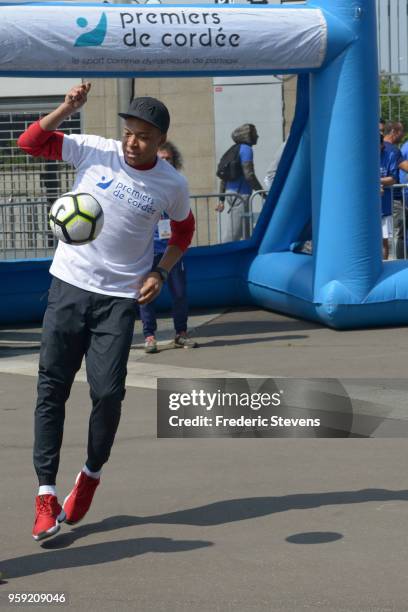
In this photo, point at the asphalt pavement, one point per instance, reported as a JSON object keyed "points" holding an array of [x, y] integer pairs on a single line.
{"points": [[207, 525]]}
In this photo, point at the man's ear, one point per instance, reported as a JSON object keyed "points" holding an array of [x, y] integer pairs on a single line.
{"points": [[163, 139]]}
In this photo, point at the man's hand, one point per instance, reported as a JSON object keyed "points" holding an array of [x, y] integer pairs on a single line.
{"points": [[75, 99], [77, 96], [151, 288], [220, 207]]}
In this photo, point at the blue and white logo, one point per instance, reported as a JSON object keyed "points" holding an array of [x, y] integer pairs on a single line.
{"points": [[103, 183], [96, 36]]}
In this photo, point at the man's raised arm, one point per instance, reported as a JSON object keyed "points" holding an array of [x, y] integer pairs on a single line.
{"points": [[41, 138]]}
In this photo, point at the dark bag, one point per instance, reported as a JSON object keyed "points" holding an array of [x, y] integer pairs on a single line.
{"points": [[229, 167]]}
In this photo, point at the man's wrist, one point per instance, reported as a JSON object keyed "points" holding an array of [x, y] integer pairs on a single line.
{"points": [[162, 272]]}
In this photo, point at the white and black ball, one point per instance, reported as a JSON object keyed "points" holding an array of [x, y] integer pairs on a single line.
{"points": [[76, 218]]}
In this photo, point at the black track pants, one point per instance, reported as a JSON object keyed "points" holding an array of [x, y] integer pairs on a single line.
{"points": [[78, 323]]}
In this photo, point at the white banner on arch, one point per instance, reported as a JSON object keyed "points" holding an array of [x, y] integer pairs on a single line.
{"points": [[75, 38]]}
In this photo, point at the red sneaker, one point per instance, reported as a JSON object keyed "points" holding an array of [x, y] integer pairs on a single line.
{"points": [[48, 516], [78, 502]]}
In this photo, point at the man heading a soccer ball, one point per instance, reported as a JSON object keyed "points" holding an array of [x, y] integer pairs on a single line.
{"points": [[92, 300]]}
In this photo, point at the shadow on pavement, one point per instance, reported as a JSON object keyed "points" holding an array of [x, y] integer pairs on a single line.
{"points": [[249, 328], [314, 537], [10, 351], [19, 335], [95, 554], [230, 511], [258, 340]]}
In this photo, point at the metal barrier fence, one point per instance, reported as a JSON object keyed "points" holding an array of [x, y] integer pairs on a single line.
{"points": [[399, 202], [24, 230], [209, 221], [211, 225]]}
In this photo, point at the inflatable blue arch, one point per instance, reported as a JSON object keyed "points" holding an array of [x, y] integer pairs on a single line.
{"points": [[328, 177]]}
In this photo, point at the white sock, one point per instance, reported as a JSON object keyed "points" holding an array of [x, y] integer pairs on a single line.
{"points": [[47, 490], [92, 474]]}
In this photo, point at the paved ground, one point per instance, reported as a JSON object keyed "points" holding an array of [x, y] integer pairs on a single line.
{"points": [[216, 524]]}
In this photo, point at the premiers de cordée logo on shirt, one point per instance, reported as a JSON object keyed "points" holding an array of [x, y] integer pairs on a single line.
{"points": [[130, 194]]}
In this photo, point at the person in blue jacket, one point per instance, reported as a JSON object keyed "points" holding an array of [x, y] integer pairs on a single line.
{"points": [[403, 179], [393, 136], [390, 159], [234, 217]]}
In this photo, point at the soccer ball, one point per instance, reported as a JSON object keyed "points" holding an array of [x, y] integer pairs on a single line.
{"points": [[76, 218]]}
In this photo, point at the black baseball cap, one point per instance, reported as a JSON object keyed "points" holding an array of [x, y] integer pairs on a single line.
{"points": [[151, 110]]}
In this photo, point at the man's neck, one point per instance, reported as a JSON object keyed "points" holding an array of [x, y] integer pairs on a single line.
{"points": [[147, 166]]}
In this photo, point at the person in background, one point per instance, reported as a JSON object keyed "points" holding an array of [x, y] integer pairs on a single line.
{"points": [[234, 221], [393, 136], [403, 180], [389, 162], [176, 280]]}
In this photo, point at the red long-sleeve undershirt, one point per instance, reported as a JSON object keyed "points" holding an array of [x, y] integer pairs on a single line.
{"points": [[182, 232], [41, 143], [48, 144]]}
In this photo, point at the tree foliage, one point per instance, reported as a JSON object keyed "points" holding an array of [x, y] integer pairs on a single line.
{"points": [[393, 99]]}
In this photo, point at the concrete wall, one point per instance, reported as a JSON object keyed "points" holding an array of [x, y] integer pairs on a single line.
{"points": [[100, 114], [289, 103]]}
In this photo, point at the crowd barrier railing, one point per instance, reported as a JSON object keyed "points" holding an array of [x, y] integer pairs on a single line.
{"points": [[24, 230], [25, 233]]}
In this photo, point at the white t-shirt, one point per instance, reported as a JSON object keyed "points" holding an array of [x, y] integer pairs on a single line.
{"points": [[132, 201]]}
